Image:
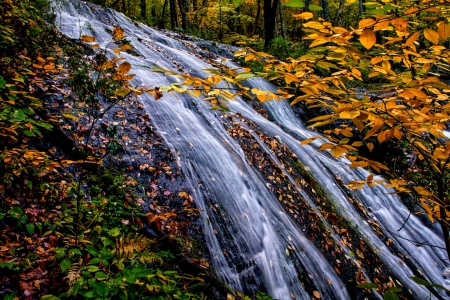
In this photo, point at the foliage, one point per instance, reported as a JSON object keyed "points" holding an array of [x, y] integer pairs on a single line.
{"points": [[71, 227]]}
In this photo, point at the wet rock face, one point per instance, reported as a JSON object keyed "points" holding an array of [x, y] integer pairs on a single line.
{"points": [[176, 146]]}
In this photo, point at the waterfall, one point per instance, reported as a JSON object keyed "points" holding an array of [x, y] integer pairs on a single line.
{"points": [[254, 243]]}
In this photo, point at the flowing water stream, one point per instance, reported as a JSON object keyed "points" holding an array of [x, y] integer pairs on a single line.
{"points": [[246, 228]]}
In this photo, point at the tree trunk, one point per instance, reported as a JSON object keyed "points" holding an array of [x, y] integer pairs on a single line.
{"points": [[340, 11], [361, 7], [184, 9], [143, 5], [270, 11], [325, 10], [173, 15], [162, 22], [258, 14], [283, 29]]}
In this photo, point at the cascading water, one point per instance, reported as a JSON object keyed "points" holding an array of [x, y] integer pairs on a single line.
{"points": [[246, 229]]}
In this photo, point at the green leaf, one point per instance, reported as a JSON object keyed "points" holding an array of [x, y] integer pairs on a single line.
{"points": [[92, 250], [49, 297], [244, 76], [74, 251], [28, 133], [93, 268], [28, 111], [30, 228], [437, 286], [377, 12], [395, 289], [76, 287], [100, 275], [114, 232], [87, 293], [295, 3], [421, 281], [8, 265], [237, 2], [388, 295], [313, 7], [212, 71], [105, 254], [95, 261], [368, 285], [389, 7], [11, 296], [65, 264]]}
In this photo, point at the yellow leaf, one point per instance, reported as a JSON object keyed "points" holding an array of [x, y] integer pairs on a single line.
{"points": [[290, 78], [370, 146], [338, 150], [69, 116], [444, 30], [122, 92], [87, 38], [368, 38], [440, 153], [240, 52], [124, 68], [326, 146], [305, 15], [314, 25], [307, 141], [431, 35], [422, 191], [412, 38], [116, 51], [418, 93], [40, 59]]}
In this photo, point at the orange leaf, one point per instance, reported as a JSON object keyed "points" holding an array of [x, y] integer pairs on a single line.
{"points": [[431, 35], [366, 23], [413, 37], [305, 15], [118, 33], [368, 38], [87, 38], [381, 25], [443, 30], [400, 24], [124, 68]]}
